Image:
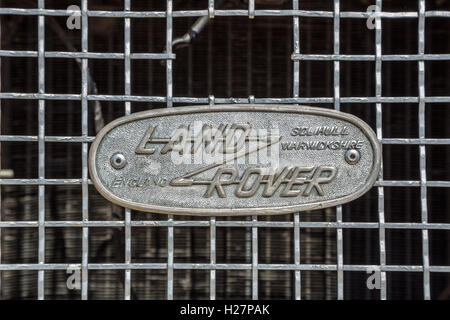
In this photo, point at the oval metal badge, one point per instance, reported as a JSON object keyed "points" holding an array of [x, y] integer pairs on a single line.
{"points": [[234, 160]]}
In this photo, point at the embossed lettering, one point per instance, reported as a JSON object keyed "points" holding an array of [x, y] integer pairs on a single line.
{"points": [[228, 147], [241, 192], [322, 145], [141, 148], [295, 180], [217, 183], [319, 131], [317, 176], [178, 141], [274, 181], [210, 136], [317, 179]]}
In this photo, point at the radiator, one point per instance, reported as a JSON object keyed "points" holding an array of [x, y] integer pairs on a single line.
{"points": [[386, 62]]}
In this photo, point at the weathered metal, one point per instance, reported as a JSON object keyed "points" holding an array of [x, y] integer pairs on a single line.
{"points": [[234, 160]]}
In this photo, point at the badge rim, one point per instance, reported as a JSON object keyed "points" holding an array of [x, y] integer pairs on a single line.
{"points": [[363, 126]]}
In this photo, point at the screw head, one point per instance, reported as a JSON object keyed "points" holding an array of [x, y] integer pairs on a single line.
{"points": [[352, 156], [118, 161]]}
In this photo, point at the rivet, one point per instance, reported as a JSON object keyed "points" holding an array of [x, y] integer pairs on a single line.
{"points": [[352, 156], [118, 161]]}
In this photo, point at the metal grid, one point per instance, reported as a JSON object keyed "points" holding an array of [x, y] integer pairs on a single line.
{"points": [[127, 266]]}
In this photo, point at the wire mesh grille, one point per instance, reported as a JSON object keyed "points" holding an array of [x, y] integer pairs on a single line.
{"points": [[55, 81]]}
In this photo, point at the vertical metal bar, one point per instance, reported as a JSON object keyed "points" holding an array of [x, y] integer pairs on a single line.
{"points": [[212, 228], [248, 259], [127, 47], [211, 9], [170, 245], [337, 106], [296, 93], [190, 65], [151, 36], [251, 9], [408, 246], [150, 40], [28, 149], [169, 51], [368, 83], [296, 38], [379, 115], [447, 154], [229, 94], [289, 69], [340, 255], [268, 240], [297, 254], [1, 211], [249, 59], [255, 260], [248, 231], [41, 143], [423, 166], [110, 277], [190, 239], [212, 248], [127, 294], [84, 132], [254, 230], [170, 259]]}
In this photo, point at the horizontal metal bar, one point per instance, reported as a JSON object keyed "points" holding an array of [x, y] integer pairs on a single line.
{"points": [[412, 183], [404, 141], [385, 183], [396, 15], [222, 266], [41, 181], [276, 13], [369, 57], [53, 96], [227, 224], [39, 96], [87, 55], [90, 13], [437, 14], [75, 139], [92, 266], [47, 139], [228, 13], [172, 56]]}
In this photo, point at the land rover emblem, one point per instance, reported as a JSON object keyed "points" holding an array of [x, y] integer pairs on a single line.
{"points": [[234, 160]]}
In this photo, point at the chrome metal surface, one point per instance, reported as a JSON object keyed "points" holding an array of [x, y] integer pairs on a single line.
{"points": [[352, 156], [234, 160], [118, 161]]}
